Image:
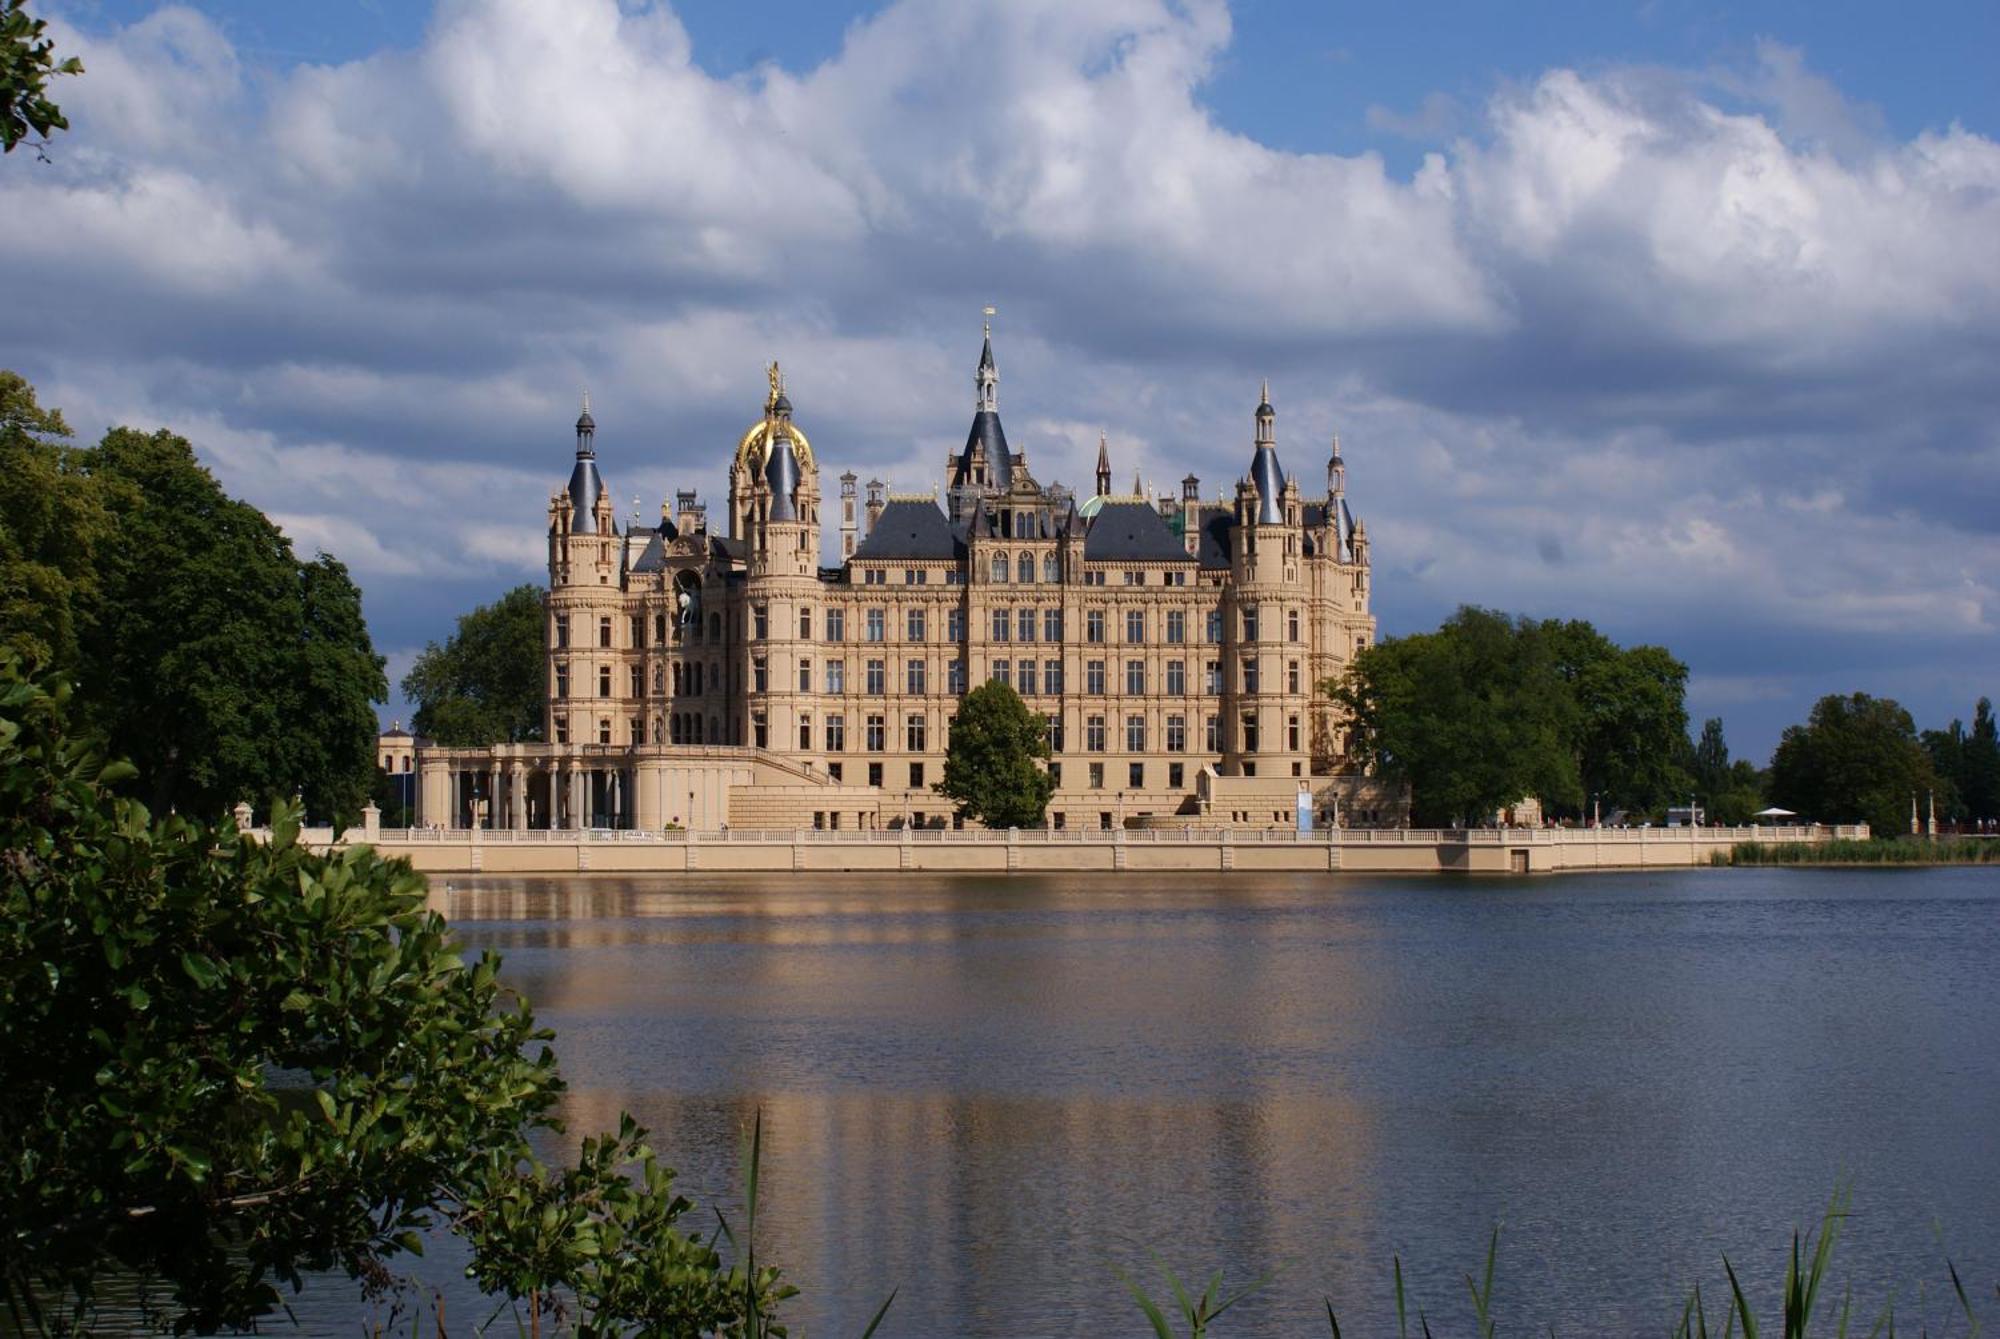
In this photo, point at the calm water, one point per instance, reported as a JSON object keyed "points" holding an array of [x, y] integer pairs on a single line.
{"points": [[987, 1092]]}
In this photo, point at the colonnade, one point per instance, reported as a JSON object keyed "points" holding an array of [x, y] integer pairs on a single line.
{"points": [[561, 795]]}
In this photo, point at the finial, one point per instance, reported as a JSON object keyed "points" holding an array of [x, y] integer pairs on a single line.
{"points": [[1265, 395], [586, 399], [989, 311], [777, 380]]}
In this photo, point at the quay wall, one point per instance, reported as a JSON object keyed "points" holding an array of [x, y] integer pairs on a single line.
{"points": [[935, 851]]}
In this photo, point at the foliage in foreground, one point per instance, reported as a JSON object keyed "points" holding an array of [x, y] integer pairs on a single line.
{"points": [[1806, 1275], [27, 64], [224, 1063], [991, 763]]}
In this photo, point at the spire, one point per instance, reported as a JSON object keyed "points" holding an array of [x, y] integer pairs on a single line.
{"points": [[1265, 471], [586, 485], [987, 378], [781, 472], [1103, 467], [1336, 473]]}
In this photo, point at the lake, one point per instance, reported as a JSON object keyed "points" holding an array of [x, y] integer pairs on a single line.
{"points": [[988, 1093]]}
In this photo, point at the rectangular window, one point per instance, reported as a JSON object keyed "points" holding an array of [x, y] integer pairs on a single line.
{"points": [[1093, 734], [1176, 626], [954, 625], [1024, 625], [604, 632], [638, 681], [1093, 676], [874, 773], [877, 625], [604, 681], [836, 676], [1176, 735], [1003, 624], [1249, 732], [1291, 676], [760, 730], [1093, 626], [1213, 735], [1176, 678], [562, 729], [1135, 625], [1051, 625], [999, 567], [836, 625], [1135, 734], [805, 674], [805, 623], [875, 733], [757, 674], [659, 629], [1292, 733], [1053, 728], [1214, 678], [638, 631], [1052, 676], [916, 776], [1024, 676], [562, 678], [1097, 780], [1135, 775], [1250, 624], [806, 733], [562, 632], [1135, 677], [1249, 674], [1176, 775], [912, 577], [1003, 672], [1213, 631], [1291, 625], [875, 576], [954, 676], [914, 734], [760, 623], [836, 733], [913, 625], [877, 678], [833, 769], [604, 730], [913, 676]]}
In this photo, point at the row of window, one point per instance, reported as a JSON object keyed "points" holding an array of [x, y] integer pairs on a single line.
{"points": [[688, 678]]}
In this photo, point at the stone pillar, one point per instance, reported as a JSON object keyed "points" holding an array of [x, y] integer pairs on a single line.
{"points": [[243, 815], [371, 822], [517, 797]]}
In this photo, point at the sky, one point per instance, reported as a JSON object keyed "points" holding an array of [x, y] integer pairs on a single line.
{"points": [[1680, 318]]}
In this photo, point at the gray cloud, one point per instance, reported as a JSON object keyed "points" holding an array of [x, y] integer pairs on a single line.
{"points": [[1701, 356]]}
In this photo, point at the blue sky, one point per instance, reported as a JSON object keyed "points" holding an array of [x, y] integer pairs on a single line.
{"points": [[1680, 318]]}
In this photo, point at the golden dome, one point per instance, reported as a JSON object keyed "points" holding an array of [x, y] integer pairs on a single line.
{"points": [[750, 448]]}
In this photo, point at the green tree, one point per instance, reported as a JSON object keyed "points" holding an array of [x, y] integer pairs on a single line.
{"points": [[226, 1063], [1731, 792], [487, 684], [1979, 783], [1711, 758], [1631, 717], [1473, 716], [1856, 759], [224, 667], [27, 64], [51, 526], [991, 766]]}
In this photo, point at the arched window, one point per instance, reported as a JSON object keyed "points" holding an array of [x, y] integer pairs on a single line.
{"points": [[1051, 567], [677, 678], [1000, 567], [1025, 571]]}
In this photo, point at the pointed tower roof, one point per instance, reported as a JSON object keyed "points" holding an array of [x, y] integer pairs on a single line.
{"points": [[586, 485], [1265, 472], [986, 435]]}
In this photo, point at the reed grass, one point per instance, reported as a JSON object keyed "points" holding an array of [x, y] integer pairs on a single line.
{"points": [[1878, 851]]}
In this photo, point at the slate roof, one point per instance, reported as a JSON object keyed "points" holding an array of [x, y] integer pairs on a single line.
{"points": [[986, 431], [1130, 531], [1216, 523], [911, 528]]}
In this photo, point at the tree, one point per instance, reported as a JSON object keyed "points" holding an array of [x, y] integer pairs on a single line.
{"points": [[1979, 783], [1474, 716], [51, 525], [227, 1062], [1632, 717], [1856, 759], [1711, 758], [990, 763], [224, 667], [1730, 792], [488, 682], [27, 64]]}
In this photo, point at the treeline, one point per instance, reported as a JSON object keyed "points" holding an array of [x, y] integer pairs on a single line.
{"points": [[222, 664], [1491, 709]]}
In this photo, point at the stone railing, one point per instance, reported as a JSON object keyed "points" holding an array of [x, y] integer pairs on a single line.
{"points": [[1130, 836]]}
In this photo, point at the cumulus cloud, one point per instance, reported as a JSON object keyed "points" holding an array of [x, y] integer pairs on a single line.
{"points": [[1705, 355]]}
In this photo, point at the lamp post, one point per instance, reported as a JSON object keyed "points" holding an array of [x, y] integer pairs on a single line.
{"points": [[1595, 820]]}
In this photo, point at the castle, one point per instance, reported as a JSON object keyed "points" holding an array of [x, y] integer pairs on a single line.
{"points": [[705, 678]]}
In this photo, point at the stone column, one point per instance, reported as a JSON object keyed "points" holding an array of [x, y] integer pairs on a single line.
{"points": [[517, 797]]}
